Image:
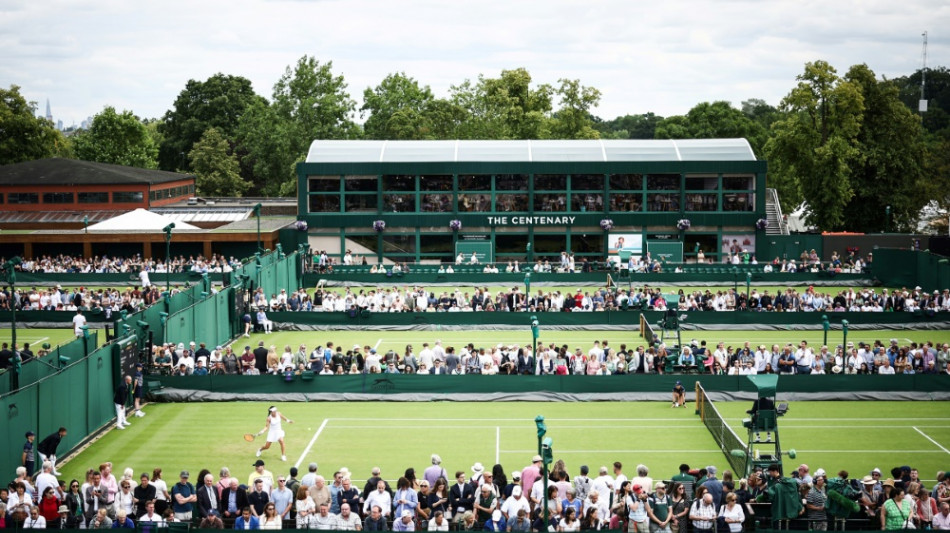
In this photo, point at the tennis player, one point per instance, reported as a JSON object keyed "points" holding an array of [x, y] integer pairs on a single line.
{"points": [[272, 426]]}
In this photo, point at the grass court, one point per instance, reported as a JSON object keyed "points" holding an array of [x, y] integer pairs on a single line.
{"points": [[359, 435]]}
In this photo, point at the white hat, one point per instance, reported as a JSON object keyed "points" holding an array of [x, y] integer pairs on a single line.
{"points": [[820, 473], [496, 515], [405, 513], [477, 468], [516, 491]]}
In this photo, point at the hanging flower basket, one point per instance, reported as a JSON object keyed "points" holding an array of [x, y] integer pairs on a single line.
{"points": [[301, 225], [761, 223], [606, 224], [379, 226], [455, 224], [683, 224]]}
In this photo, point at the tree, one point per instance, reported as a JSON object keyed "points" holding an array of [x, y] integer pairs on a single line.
{"points": [[217, 172], [119, 139], [23, 135], [503, 108], [628, 126], [574, 120], [716, 120], [889, 170], [815, 145], [218, 102], [398, 109], [309, 103]]}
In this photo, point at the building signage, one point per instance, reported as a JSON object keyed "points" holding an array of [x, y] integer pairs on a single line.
{"points": [[530, 221]]}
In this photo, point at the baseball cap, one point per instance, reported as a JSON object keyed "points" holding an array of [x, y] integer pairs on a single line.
{"points": [[30, 434], [659, 485], [516, 475], [259, 462], [637, 488], [184, 473], [536, 459]]}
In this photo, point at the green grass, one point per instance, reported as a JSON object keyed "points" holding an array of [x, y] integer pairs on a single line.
{"points": [[855, 436], [38, 337], [397, 340]]}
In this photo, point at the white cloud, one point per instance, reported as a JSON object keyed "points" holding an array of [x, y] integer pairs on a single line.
{"points": [[643, 56]]}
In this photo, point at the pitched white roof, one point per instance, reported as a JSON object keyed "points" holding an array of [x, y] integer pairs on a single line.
{"points": [[139, 220], [562, 150]]}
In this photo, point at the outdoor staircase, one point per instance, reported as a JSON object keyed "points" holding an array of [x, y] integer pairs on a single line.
{"points": [[773, 213]]}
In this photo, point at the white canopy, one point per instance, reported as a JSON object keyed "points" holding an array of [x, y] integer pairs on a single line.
{"points": [[139, 220]]}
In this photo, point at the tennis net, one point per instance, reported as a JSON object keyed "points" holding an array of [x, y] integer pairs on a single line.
{"points": [[646, 331], [735, 450]]}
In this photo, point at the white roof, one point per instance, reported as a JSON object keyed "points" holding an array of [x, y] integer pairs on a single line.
{"points": [[139, 220], [633, 150]]}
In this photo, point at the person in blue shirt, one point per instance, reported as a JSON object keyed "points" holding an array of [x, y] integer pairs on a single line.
{"points": [[183, 498], [246, 520]]}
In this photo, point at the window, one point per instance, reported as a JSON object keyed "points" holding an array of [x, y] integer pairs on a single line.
{"points": [[588, 243], [324, 203], [23, 198], [399, 203], [701, 202], [511, 202], [550, 244], [100, 197], [663, 182], [400, 244], [738, 202], [435, 183], [360, 202], [663, 202], [58, 197], [437, 203], [399, 183], [474, 203], [128, 197], [474, 183], [1, 197], [737, 183], [511, 182], [550, 202], [435, 243], [626, 182], [587, 202], [550, 182], [587, 182], [625, 202], [358, 184], [702, 183], [324, 183]]}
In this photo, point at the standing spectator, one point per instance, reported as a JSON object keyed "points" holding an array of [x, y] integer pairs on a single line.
{"points": [[28, 460], [35, 520], [142, 494], [435, 471], [233, 500], [207, 497], [183, 498], [305, 508], [703, 514], [732, 514], [47, 448], [120, 398], [283, 498]]}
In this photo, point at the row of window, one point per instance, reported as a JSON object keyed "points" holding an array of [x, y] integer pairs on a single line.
{"points": [[520, 182], [118, 197], [172, 192], [541, 202]]}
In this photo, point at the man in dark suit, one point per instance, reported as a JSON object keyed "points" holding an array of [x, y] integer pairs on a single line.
{"points": [[207, 497], [260, 358], [233, 499], [439, 368], [461, 497]]}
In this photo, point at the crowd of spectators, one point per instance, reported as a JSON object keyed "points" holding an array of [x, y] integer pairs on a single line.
{"points": [[601, 358], [103, 299], [419, 299], [471, 499], [67, 264]]}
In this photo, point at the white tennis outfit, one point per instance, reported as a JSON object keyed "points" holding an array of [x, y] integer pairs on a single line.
{"points": [[275, 433]]}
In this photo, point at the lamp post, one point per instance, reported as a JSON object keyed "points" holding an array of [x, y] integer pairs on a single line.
{"points": [[844, 341], [9, 267], [825, 325], [168, 253], [546, 451], [257, 213], [85, 223], [887, 219], [527, 284], [748, 284]]}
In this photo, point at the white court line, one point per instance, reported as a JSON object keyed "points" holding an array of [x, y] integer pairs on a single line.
{"points": [[531, 420], [497, 444], [377, 344], [313, 440], [931, 440]]}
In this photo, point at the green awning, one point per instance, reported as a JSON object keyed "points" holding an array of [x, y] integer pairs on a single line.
{"points": [[766, 384]]}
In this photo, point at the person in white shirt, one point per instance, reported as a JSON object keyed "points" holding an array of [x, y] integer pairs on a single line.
{"points": [[379, 497], [886, 368], [78, 322], [804, 359], [35, 520], [603, 484], [150, 517], [346, 520]]}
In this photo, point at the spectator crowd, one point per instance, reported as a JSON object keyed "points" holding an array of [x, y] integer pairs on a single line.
{"points": [[66, 264], [601, 358], [470, 499]]}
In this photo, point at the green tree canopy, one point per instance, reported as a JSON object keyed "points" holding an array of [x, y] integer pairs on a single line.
{"points": [[218, 102], [117, 138], [815, 145], [217, 172], [506, 107], [628, 126], [889, 170], [23, 135], [309, 102], [398, 108], [573, 120], [716, 120]]}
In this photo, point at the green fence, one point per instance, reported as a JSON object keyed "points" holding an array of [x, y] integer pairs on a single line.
{"points": [[631, 318], [78, 397], [208, 320], [95, 278], [907, 268], [473, 384]]}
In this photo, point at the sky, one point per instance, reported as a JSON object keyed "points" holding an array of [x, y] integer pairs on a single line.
{"points": [[644, 56]]}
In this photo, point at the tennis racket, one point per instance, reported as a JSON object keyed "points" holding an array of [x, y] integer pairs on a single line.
{"points": [[249, 437]]}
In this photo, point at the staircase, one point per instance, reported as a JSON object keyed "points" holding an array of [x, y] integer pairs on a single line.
{"points": [[773, 213]]}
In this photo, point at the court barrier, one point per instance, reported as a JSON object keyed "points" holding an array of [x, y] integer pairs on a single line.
{"points": [[77, 397], [607, 320], [540, 388]]}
